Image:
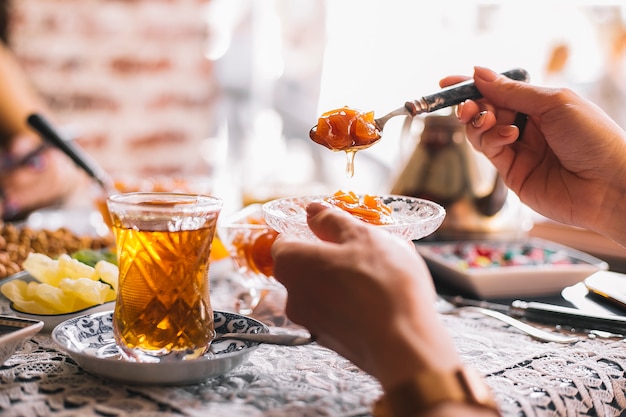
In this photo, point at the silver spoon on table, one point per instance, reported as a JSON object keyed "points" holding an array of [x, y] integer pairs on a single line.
{"points": [[285, 339], [445, 307], [532, 331]]}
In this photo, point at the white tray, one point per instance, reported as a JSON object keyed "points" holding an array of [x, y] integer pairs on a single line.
{"points": [[497, 281]]}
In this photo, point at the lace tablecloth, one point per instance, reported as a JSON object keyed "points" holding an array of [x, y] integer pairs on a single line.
{"points": [[529, 378]]}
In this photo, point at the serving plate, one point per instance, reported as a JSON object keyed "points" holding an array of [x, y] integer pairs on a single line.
{"points": [[414, 218], [14, 332], [543, 268], [89, 341], [50, 321], [582, 298]]}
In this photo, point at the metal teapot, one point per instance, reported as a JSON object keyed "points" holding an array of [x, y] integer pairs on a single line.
{"points": [[445, 168]]}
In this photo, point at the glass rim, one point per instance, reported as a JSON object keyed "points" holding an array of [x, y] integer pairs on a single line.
{"points": [[250, 226], [186, 202], [239, 219]]}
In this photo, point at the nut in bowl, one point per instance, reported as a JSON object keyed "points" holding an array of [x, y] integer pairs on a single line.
{"points": [[407, 217]]}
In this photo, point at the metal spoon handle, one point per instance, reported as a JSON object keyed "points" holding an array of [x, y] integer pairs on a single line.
{"points": [[50, 135], [286, 339], [456, 94], [532, 331]]}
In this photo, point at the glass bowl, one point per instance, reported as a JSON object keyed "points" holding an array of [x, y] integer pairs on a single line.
{"points": [[248, 240], [414, 218]]}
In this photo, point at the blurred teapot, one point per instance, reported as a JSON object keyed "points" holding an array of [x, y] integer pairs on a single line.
{"points": [[444, 168]]}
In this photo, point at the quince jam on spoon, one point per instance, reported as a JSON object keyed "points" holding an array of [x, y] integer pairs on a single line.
{"points": [[347, 130]]}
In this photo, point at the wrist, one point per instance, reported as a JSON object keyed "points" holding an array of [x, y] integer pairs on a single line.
{"points": [[428, 392], [410, 346], [612, 219]]}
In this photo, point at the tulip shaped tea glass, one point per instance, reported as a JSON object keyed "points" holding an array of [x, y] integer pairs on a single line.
{"points": [[249, 239], [163, 309]]}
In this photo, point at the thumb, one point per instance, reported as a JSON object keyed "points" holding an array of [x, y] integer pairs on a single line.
{"points": [[331, 223], [513, 95]]}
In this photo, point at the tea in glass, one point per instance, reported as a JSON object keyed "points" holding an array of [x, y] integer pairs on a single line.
{"points": [[163, 308]]}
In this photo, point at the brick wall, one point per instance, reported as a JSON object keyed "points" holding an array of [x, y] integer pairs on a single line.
{"points": [[129, 77]]}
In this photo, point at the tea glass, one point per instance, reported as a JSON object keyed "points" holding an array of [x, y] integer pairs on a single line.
{"points": [[163, 309], [162, 184], [248, 240]]}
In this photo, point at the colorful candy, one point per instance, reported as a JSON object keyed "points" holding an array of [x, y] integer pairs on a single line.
{"points": [[467, 255]]}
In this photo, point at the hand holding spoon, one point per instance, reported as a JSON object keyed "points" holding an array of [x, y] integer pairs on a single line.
{"points": [[350, 131]]}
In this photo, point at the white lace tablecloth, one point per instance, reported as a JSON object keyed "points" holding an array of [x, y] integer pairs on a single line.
{"points": [[529, 378]]}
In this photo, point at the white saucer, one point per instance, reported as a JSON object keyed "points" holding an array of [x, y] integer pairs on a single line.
{"points": [[89, 341]]}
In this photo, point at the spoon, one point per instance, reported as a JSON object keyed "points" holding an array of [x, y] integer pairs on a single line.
{"points": [[532, 331], [449, 96], [445, 307], [76, 154], [285, 339]]}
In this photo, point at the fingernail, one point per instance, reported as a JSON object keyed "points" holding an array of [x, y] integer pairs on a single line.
{"points": [[458, 110], [479, 119], [485, 74], [505, 131], [316, 207]]}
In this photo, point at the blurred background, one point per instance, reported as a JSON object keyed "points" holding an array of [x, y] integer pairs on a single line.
{"points": [[228, 89]]}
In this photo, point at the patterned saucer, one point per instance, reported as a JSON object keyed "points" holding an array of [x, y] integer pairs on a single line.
{"points": [[89, 341]]}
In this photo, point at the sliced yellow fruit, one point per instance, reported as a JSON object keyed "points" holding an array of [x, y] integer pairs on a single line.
{"points": [[13, 289], [55, 297], [108, 273], [111, 295], [31, 290], [16, 292], [85, 289], [63, 286], [42, 268], [72, 268]]}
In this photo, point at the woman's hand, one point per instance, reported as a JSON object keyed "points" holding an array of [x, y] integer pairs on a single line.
{"points": [[364, 293], [569, 163], [43, 179]]}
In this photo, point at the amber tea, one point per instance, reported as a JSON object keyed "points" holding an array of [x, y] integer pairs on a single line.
{"points": [[163, 306]]}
